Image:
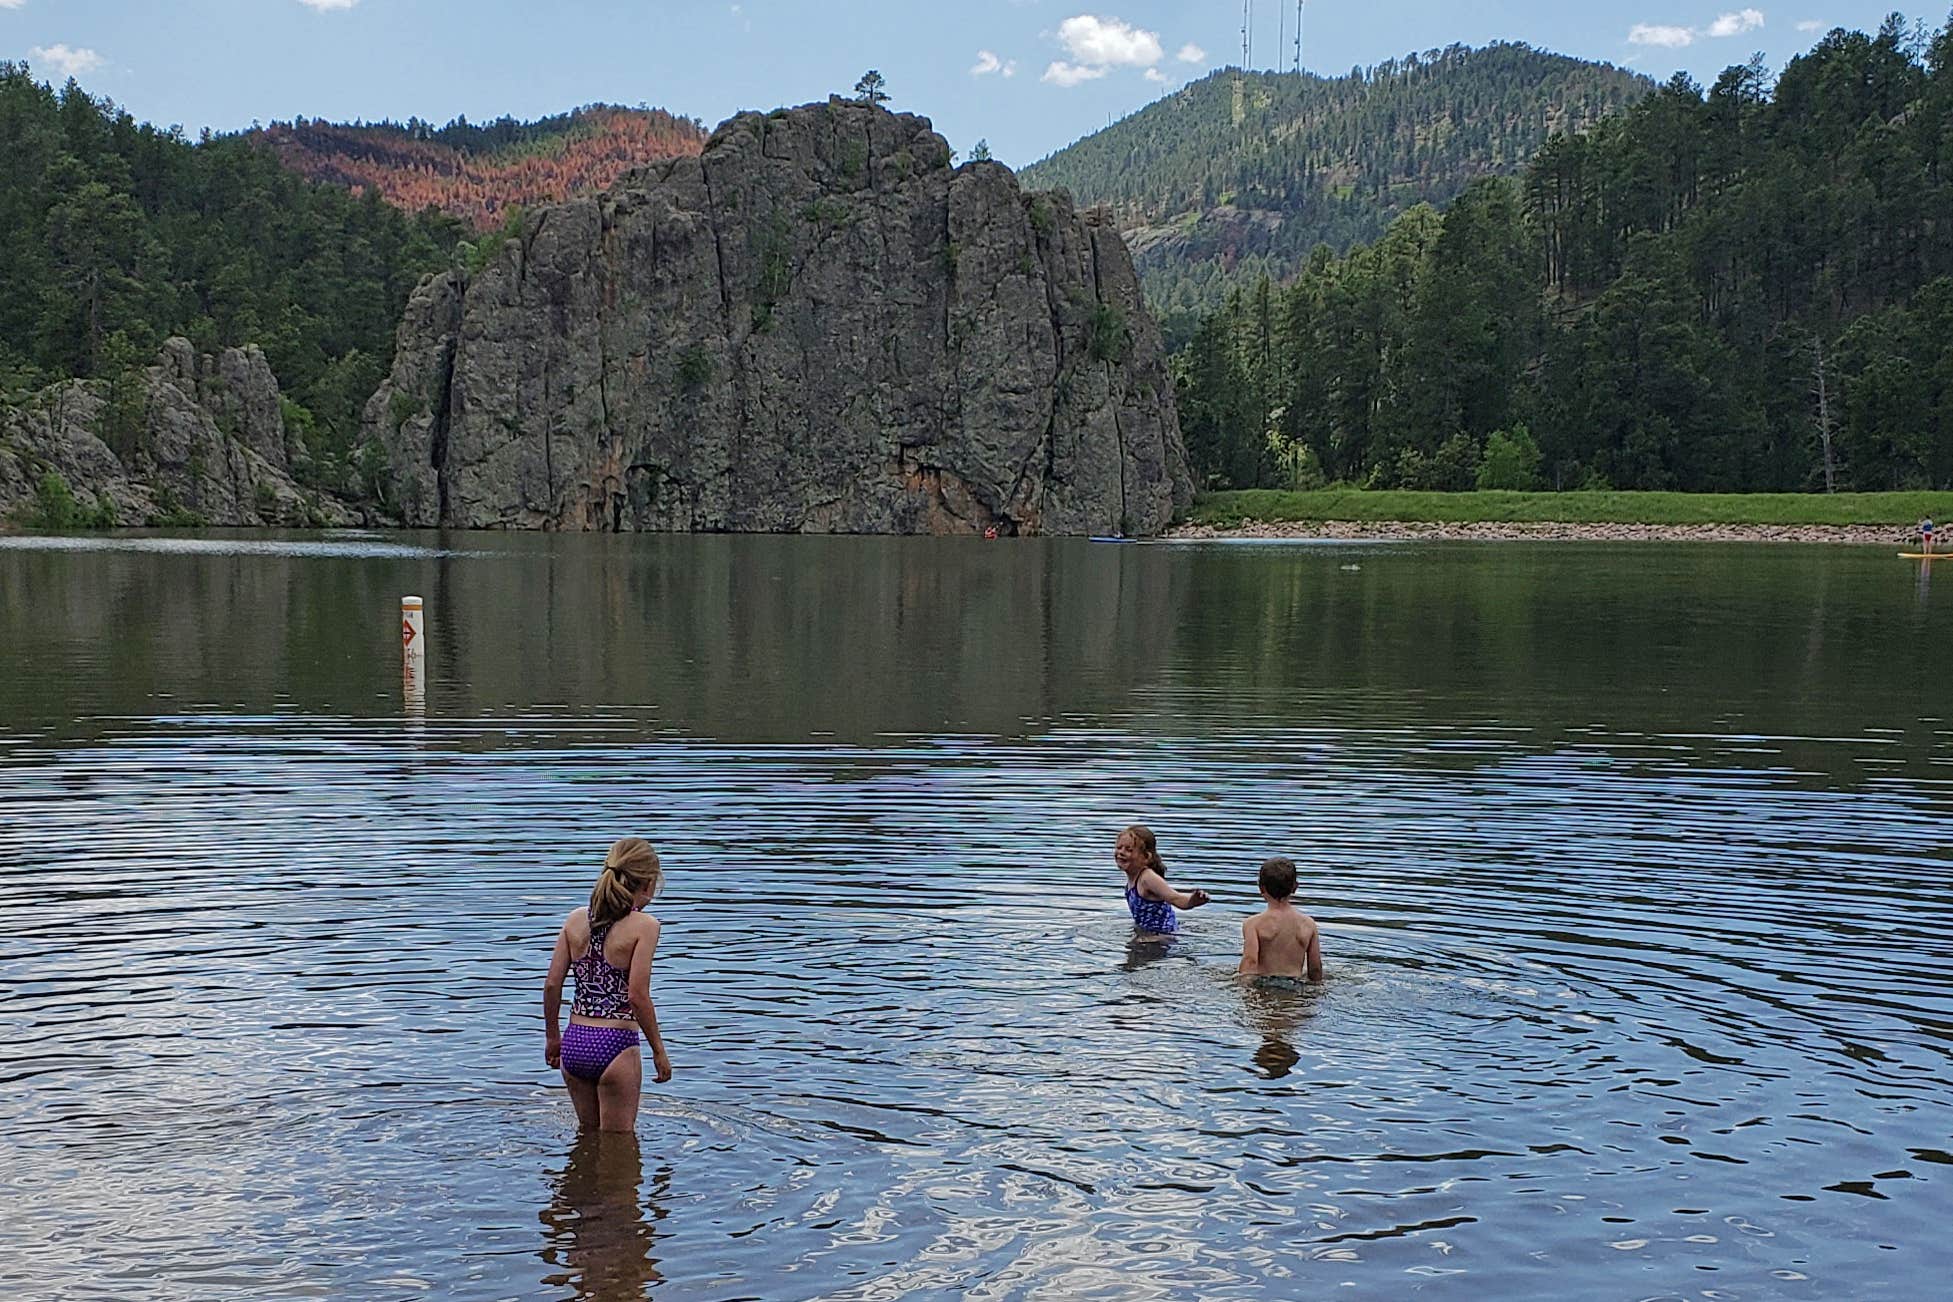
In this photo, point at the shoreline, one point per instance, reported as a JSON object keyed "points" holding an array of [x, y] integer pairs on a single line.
{"points": [[1853, 535]]}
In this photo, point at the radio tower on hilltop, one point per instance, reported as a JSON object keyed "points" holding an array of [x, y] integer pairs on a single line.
{"points": [[1247, 53], [1298, 36]]}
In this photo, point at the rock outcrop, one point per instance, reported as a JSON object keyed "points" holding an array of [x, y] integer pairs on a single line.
{"points": [[191, 438], [818, 325]]}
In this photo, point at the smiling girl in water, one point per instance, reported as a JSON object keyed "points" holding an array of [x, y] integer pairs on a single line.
{"points": [[1148, 895], [608, 946]]}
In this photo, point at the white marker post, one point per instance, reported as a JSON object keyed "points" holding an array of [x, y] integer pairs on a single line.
{"points": [[413, 655]]}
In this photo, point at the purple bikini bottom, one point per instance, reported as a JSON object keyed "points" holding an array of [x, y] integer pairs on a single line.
{"points": [[587, 1050]]}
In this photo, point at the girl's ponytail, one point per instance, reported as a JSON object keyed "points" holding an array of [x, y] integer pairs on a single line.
{"points": [[631, 866]]}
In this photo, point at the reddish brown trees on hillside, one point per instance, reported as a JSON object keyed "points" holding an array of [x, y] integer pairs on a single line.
{"points": [[415, 173]]}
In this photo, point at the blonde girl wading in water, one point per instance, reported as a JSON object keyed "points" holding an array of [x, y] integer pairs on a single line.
{"points": [[608, 946]]}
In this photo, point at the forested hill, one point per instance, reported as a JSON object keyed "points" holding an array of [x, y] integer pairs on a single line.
{"points": [[1212, 187], [476, 172], [1748, 288], [121, 234]]}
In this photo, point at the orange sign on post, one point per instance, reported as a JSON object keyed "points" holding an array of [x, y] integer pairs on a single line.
{"points": [[413, 655]]}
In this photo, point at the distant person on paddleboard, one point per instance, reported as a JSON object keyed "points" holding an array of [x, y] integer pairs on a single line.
{"points": [[1926, 535], [1148, 895], [608, 946], [1281, 940]]}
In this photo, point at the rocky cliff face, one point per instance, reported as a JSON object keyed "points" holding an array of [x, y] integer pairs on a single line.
{"points": [[193, 437], [818, 325]]}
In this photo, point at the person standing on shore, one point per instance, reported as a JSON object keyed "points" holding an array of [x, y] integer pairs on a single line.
{"points": [[608, 946]]}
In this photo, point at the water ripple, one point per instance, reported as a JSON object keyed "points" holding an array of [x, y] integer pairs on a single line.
{"points": [[1662, 1008]]}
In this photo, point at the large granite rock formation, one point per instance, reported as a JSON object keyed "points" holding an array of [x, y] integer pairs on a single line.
{"points": [[818, 325], [195, 437]]}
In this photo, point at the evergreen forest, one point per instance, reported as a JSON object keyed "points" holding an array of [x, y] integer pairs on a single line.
{"points": [[1748, 288], [1243, 174], [121, 234]]}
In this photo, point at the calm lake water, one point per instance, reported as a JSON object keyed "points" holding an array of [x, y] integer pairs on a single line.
{"points": [[1634, 866]]}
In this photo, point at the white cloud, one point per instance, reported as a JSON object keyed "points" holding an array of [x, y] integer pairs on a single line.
{"points": [[1810, 25], [1097, 45], [326, 6], [11, 4], [1109, 42], [66, 60], [988, 63], [1669, 38], [1191, 53], [1065, 74], [1743, 20]]}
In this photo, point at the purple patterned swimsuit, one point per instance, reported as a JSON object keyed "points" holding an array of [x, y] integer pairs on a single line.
{"points": [[601, 991]]}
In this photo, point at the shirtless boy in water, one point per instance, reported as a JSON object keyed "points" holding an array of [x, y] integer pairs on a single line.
{"points": [[1281, 940]]}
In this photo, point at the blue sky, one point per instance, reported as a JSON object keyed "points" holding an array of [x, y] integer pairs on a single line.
{"points": [[1028, 75]]}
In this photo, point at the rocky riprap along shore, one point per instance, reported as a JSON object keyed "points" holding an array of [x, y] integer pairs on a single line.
{"points": [[820, 324], [1518, 531], [196, 437]]}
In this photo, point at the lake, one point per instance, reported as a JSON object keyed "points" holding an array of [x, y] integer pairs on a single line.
{"points": [[1633, 863]]}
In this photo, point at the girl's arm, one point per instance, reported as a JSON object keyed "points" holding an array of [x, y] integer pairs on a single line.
{"points": [[559, 967], [1155, 887], [641, 1006]]}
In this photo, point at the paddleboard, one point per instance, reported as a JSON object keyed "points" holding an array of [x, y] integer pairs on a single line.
{"points": [[1098, 539], [1925, 556]]}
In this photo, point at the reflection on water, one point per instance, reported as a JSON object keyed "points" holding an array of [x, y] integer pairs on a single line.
{"points": [[1277, 1009], [1632, 865], [255, 544], [599, 1230]]}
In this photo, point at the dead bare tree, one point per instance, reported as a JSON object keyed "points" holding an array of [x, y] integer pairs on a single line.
{"points": [[1821, 378]]}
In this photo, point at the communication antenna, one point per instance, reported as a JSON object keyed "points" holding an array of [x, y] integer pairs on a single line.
{"points": [[1247, 34], [1281, 30], [1240, 73], [1298, 36]]}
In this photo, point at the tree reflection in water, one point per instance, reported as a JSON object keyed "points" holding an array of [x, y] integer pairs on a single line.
{"points": [[600, 1228]]}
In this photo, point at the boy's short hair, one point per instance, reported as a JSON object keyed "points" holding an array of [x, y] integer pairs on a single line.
{"points": [[1278, 878]]}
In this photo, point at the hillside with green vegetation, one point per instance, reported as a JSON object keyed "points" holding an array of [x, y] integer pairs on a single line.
{"points": [[121, 234], [1743, 289], [1213, 187]]}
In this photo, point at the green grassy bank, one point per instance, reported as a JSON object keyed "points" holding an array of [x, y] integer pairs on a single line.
{"points": [[1224, 510]]}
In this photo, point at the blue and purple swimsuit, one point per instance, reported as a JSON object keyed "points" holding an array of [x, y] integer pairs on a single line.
{"points": [[602, 991], [1151, 915]]}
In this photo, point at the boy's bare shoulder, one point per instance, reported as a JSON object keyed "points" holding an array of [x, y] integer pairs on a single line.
{"points": [[1302, 925]]}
